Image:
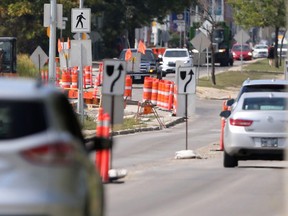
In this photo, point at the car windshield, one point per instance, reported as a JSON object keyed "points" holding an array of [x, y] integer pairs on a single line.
{"points": [[261, 47], [148, 56], [267, 103], [176, 53], [238, 48], [21, 118], [284, 46]]}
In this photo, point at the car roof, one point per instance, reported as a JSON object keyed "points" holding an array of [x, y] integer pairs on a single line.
{"points": [[176, 49], [24, 88], [134, 49], [265, 82]]}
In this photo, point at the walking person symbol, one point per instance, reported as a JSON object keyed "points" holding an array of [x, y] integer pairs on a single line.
{"points": [[79, 18]]}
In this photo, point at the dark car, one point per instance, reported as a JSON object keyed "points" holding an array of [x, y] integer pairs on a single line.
{"points": [[149, 65]]}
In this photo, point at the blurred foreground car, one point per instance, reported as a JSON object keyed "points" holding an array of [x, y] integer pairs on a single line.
{"points": [[44, 165], [241, 52], [260, 51], [257, 128]]}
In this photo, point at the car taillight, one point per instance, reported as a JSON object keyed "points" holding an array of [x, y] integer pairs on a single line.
{"points": [[56, 153], [240, 122]]}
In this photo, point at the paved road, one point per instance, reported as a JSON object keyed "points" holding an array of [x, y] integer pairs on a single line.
{"points": [[158, 184]]}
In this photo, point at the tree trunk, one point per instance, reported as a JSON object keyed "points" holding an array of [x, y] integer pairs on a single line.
{"points": [[276, 47], [213, 77]]}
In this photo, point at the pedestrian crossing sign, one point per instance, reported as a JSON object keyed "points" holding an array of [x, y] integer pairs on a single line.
{"points": [[81, 20]]}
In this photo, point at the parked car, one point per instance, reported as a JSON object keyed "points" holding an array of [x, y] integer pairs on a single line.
{"points": [[261, 85], [169, 58], [149, 65], [260, 51], [241, 52], [44, 165], [257, 128], [284, 50]]}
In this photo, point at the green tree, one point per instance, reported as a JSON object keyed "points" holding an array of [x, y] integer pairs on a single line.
{"points": [[262, 13]]}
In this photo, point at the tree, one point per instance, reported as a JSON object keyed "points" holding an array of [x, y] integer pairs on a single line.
{"points": [[207, 14], [262, 13]]}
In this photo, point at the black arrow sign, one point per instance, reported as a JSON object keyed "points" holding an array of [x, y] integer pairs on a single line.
{"points": [[120, 68], [191, 73]]}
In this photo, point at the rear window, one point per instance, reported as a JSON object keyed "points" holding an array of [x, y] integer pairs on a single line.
{"points": [[21, 118], [263, 88], [176, 53], [265, 104]]}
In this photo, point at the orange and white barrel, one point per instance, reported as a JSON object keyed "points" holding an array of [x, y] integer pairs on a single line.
{"points": [[154, 92], [74, 78], [87, 76], [147, 89], [66, 78], [160, 96], [128, 87]]}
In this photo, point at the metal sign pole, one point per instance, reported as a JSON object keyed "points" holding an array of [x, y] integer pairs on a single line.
{"points": [[241, 51], [186, 116], [52, 41]]}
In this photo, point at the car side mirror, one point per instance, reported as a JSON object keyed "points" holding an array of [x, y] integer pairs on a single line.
{"points": [[225, 113], [230, 102], [97, 143]]}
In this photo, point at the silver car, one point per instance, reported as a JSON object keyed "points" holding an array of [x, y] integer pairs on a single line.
{"points": [[256, 128], [44, 165]]}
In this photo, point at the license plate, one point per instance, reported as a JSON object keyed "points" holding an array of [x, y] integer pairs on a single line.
{"points": [[137, 77], [269, 142]]}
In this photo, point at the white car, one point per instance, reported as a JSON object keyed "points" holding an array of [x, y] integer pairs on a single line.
{"points": [[260, 51], [170, 56], [256, 129], [284, 50], [44, 165]]}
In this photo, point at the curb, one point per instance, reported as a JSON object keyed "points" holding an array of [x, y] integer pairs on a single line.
{"points": [[88, 133]]}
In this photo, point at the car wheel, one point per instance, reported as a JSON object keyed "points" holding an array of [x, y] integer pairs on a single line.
{"points": [[231, 62], [229, 161]]}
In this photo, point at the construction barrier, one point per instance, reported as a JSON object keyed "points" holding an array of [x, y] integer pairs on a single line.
{"points": [[99, 76], [128, 87], [102, 160], [154, 92], [223, 120], [74, 78], [66, 78], [147, 88], [87, 76]]}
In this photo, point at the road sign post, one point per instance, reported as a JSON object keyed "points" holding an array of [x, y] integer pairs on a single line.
{"points": [[186, 85]]}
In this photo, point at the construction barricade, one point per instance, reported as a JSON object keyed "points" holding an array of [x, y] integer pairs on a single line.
{"points": [[154, 92], [74, 78], [147, 89], [99, 77], [223, 120], [66, 78], [102, 159], [128, 88]]}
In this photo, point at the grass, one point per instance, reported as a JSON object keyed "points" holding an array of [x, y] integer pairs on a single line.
{"points": [[128, 123], [25, 67], [258, 70]]}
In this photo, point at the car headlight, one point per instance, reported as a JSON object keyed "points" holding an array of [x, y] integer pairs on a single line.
{"points": [[233, 53], [222, 50], [250, 54]]}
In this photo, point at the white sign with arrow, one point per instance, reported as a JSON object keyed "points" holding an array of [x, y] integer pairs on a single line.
{"points": [[114, 77], [186, 81]]}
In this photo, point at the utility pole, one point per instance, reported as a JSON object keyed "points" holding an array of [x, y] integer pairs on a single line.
{"points": [[52, 41]]}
